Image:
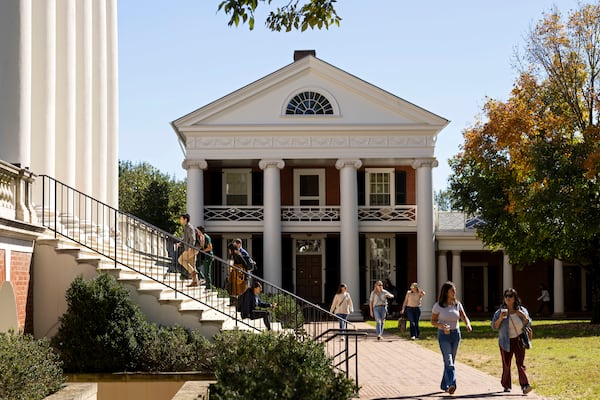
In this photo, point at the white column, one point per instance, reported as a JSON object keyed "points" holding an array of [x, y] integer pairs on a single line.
{"points": [[66, 107], [99, 95], [195, 190], [457, 277], [442, 268], [425, 234], [349, 268], [15, 81], [272, 220], [84, 97], [559, 289], [507, 274], [43, 124], [113, 104]]}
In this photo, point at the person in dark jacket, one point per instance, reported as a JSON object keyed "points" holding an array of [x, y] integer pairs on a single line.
{"points": [[252, 301]]}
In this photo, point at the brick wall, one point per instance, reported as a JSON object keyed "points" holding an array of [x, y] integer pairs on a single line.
{"points": [[2, 265], [20, 278]]}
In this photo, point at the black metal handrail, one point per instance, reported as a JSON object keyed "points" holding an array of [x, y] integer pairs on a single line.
{"points": [[133, 244]]}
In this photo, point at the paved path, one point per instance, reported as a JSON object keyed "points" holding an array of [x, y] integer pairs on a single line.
{"points": [[397, 368]]}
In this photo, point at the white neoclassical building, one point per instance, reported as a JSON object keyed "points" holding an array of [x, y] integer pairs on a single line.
{"points": [[326, 177]]}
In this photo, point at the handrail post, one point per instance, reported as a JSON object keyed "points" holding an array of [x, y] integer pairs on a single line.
{"points": [[55, 208], [115, 235]]}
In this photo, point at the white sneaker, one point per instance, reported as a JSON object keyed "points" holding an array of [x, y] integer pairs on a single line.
{"points": [[413, 338]]}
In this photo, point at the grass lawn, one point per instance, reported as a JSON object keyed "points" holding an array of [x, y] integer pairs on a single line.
{"points": [[564, 362]]}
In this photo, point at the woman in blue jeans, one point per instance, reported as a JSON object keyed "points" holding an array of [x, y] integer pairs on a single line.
{"points": [[446, 313], [412, 306], [378, 306]]}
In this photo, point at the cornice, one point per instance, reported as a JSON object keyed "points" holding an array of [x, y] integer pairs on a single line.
{"points": [[308, 141]]}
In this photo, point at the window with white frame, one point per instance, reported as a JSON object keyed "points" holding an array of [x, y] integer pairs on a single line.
{"points": [[309, 103], [309, 187], [379, 187], [237, 187]]}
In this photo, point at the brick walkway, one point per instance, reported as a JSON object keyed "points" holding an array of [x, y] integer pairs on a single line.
{"points": [[397, 368]]}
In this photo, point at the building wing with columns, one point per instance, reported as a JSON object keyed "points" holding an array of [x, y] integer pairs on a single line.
{"points": [[326, 178]]}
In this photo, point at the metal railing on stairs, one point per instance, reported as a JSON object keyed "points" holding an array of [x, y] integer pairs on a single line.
{"points": [[138, 248]]}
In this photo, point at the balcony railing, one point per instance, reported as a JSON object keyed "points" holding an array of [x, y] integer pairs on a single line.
{"points": [[310, 214], [456, 221], [389, 213], [234, 213], [404, 213], [16, 193]]}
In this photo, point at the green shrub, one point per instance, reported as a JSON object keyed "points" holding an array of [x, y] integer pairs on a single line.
{"points": [[287, 311], [174, 349], [29, 369], [271, 366], [102, 330]]}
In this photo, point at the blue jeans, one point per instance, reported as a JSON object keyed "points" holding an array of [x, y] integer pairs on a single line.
{"points": [[342, 321], [379, 313], [414, 315], [449, 346]]}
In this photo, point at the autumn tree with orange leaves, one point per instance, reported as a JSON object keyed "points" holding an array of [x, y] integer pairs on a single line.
{"points": [[531, 166]]}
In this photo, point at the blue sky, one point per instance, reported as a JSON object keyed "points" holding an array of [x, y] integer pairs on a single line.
{"points": [[444, 56]]}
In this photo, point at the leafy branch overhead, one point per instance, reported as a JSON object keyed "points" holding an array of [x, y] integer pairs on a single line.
{"points": [[292, 16]]}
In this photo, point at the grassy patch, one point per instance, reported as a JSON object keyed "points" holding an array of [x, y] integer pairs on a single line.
{"points": [[562, 364]]}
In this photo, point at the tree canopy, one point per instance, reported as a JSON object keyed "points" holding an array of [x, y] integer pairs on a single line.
{"points": [[151, 195], [293, 15], [530, 166]]}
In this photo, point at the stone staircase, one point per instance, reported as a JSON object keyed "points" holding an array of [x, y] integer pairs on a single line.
{"points": [[161, 295]]}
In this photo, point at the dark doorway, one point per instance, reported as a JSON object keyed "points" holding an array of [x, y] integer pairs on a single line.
{"points": [[308, 278], [473, 296]]}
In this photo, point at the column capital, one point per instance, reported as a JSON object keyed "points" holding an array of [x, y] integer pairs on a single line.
{"points": [[200, 164], [425, 162], [348, 162], [267, 163]]}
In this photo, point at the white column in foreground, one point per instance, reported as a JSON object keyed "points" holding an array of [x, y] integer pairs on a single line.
{"points": [[272, 220], [349, 268]]}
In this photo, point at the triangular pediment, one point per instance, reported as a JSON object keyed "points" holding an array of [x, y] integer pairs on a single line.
{"points": [[260, 106]]}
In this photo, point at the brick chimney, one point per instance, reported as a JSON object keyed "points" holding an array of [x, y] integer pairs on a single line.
{"points": [[298, 54]]}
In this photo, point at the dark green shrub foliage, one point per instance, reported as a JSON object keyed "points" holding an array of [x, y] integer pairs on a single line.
{"points": [[271, 366], [174, 349], [102, 330], [29, 369], [288, 312]]}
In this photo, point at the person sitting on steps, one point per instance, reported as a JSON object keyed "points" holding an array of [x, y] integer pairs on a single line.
{"points": [[251, 301]]}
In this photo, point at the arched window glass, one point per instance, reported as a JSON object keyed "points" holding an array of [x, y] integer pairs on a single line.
{"points": [[309, 103]]}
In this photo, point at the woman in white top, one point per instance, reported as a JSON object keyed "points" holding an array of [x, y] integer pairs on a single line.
{"points": [[342, 305], [510, 320], [412, 305], [445, 316], [378, 306]]}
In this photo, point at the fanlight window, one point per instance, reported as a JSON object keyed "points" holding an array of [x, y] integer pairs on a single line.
{"points": [[309, 103]]}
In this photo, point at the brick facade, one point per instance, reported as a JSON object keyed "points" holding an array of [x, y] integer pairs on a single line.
{"points": [[20, 278]]}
